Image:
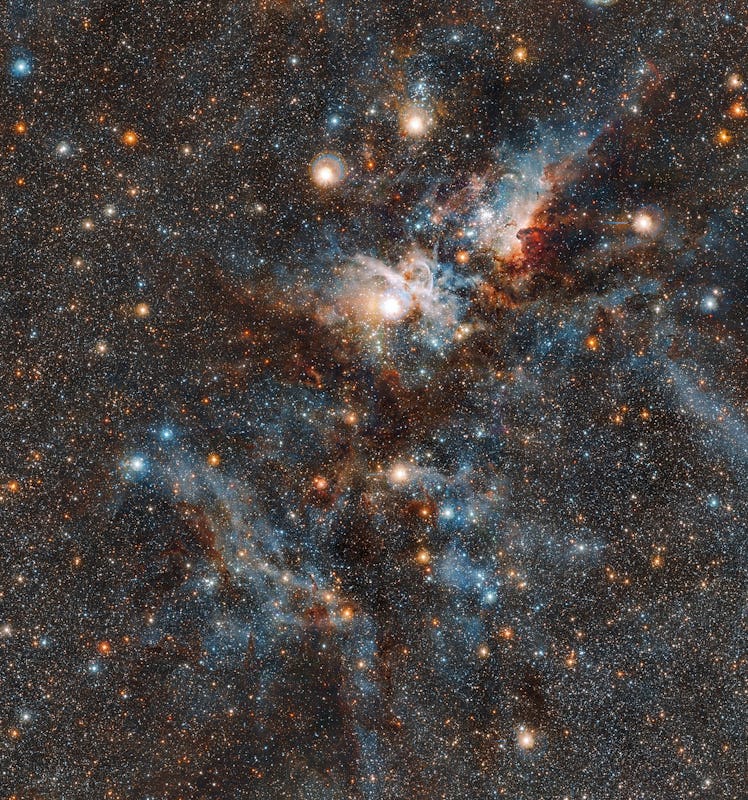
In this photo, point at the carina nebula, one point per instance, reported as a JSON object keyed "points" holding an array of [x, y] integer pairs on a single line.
{"points": [[374, 410]]}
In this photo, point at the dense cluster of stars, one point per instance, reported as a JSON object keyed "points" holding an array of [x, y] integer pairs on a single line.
{"points": [[374, 411]]}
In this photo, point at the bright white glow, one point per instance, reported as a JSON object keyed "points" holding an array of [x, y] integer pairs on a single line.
{"points": [[324, 175], [399, 473], [526, 739], [710, 302], [327, 170], [415, 125], [644, 223], [415, 122], [390, 306]]}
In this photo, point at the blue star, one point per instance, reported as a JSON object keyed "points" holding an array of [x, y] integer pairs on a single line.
{"points": [[135, 468], [20, 67]]}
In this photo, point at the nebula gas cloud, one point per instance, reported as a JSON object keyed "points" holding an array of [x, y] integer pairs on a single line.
{"points": [[374, 400]]}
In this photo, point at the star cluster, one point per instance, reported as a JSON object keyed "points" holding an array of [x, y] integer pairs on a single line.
{"points": [[374, 400]]}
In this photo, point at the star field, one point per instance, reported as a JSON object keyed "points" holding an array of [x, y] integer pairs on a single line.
{"points": [[374, 413]]}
